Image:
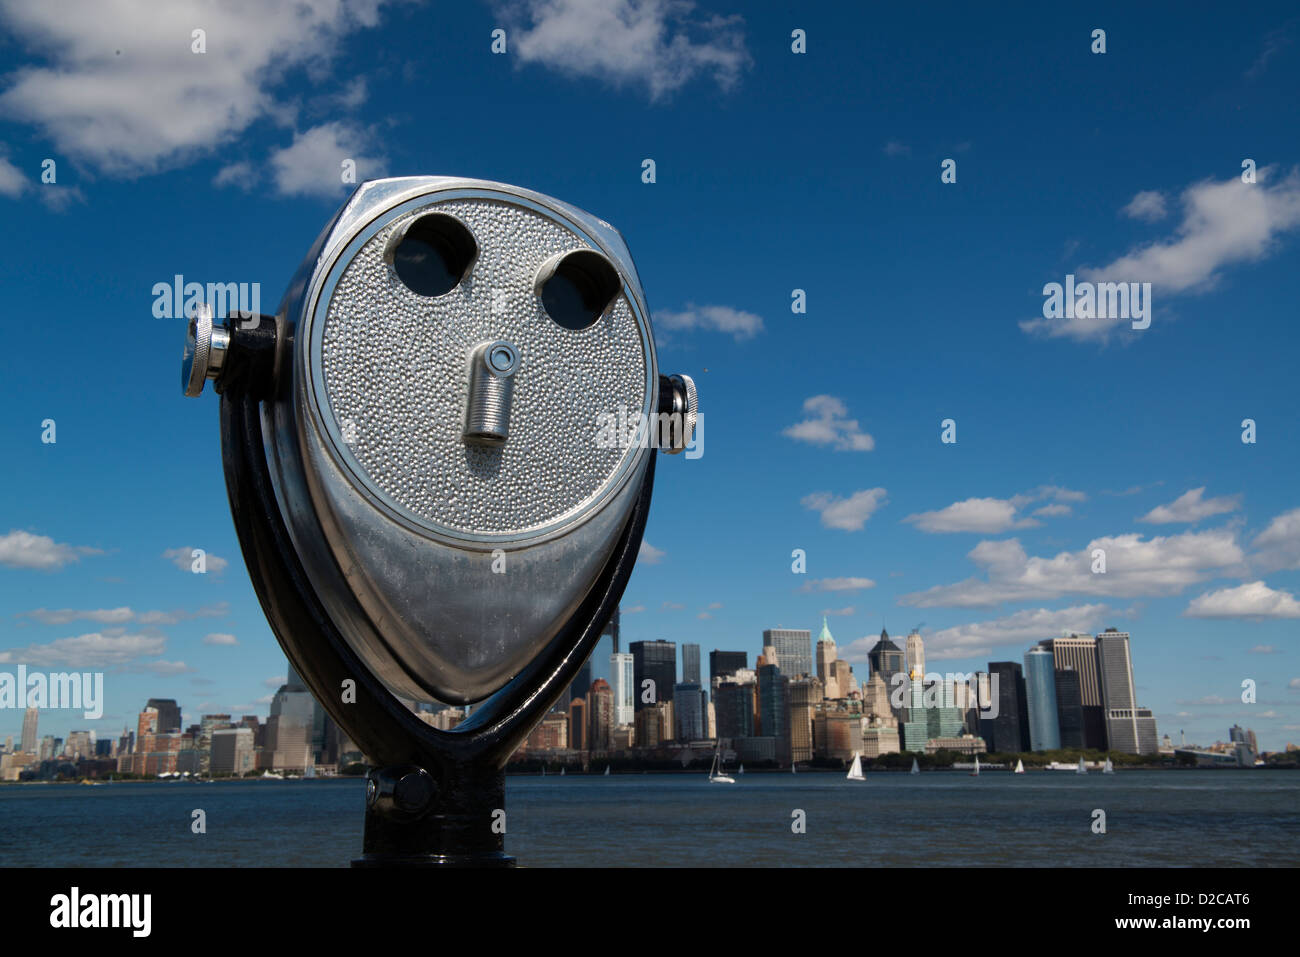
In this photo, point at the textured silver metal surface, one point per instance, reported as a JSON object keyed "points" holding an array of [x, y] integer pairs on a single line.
{"points": [[393, 366]]}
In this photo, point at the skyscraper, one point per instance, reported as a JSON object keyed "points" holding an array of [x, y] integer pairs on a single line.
{"points": [[1069, 708], [691, 664], [724, 663], [886, 659], [578, 724], [289, 729], [826, 653], [1009, 731], [774, 707], [734, 702], [1040, 694], [600, 715], [1129, 729], [656, 661], [688, 710], [915, 654], [1080, 653], [30, 718], [169, 714], [793, 650], [805, 696], [620, 671]]}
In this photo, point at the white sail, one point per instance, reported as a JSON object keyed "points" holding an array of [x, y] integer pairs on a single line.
{"points": [[741, 770], [916, 768], [1020, 767], [1081, 769], [1109, 768], [715, 770], [855, 772], [607, 769], [976, 772]]}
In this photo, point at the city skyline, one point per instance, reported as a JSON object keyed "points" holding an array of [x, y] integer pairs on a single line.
{"points": [[797, 241]]}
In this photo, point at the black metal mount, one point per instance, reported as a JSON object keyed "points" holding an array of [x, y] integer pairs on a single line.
{"points": [[433, 798]]}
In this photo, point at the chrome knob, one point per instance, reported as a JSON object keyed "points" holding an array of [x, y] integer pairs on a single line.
{"points": [[206, 345], [684, 402]]}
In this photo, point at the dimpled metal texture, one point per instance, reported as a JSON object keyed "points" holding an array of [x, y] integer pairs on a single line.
{"points": [[395, 367]]}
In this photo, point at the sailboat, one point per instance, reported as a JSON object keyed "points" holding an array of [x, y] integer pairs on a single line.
{"points": [[561, 772], [976, 772], [742, 769], [1020, 767], [607, 770], [916, 768], [715, 772], [543, 770], [1108, 768], [855, 772], [1081, 769]]}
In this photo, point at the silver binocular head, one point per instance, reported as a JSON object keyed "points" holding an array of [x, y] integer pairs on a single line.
{"points": [[447, 363]]}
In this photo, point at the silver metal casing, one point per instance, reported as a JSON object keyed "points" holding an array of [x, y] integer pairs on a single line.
{"points": [[465, 559]]}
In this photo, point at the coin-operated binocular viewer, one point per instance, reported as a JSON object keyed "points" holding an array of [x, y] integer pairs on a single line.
{"points": [[420, 470]]}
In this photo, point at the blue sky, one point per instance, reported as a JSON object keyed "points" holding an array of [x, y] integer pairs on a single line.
{"points": [[775, 171]]}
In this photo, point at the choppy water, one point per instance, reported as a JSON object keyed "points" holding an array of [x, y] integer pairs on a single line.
{"points": [[1154, 818]]}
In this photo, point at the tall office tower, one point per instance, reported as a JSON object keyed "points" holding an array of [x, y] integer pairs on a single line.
{"points": [[1009, 731], [826, 653], [915, 729], [611, 629], [232, 751], [581, 682], [875, 703], [725, 663], [774, 707], [1129, 729], [841, 679], [691, 664], [600, 719], [578, 724], [805, 696], [656, 661], [1080, 653], [169, 714], [793, 650], [30, 717], [287, 744], [1243, 745], [620, 670], [943, 717], [1069, 707], [734, 702], [886, 659], [1040, 694], [915, 659], [688, 710]]}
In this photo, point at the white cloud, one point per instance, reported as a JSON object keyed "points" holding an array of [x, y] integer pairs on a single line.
{"points": [[655, 44], [1253, 600], [1148, 206], [120, 616], [239, 174], [631, 610], [737, 323], [1224, 224], [97, 649], [647, 554], [12, 181], [275, 681], [1134, 567], [704, 616], [1053, 510], [830, 425], [987, 515], [848, 514], [120, 88], [838, 584], [1191, 507], [1024, 627], [1294, 684], [183, 558], [895, 148], [21, 549], [313, 164], [1278, 545], [220, 638], [162, 669], [1263, 650], [840, 612]]}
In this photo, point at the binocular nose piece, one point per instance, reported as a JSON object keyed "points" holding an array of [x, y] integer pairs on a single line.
{"points": [[492, 367]]}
